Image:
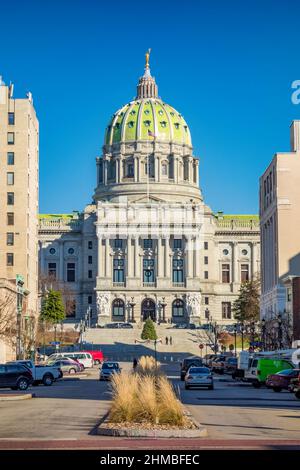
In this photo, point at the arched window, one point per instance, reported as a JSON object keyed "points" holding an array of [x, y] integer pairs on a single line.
{"points": [[164, 169], [118, 308], [178, 308]]}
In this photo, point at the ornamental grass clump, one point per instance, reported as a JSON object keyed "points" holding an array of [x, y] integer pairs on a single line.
{"points": [[146, 407], [147, 366], [125, 392], [170, 410]]}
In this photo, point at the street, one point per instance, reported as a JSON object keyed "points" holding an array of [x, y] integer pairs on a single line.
{"points": [[70, 410]]}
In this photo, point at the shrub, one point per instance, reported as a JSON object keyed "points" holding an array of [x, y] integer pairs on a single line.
{"points": [[125, 394], [149, 330], [170, 410], [146, 366]]}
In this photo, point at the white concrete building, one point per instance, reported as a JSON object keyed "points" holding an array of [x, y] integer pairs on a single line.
{"points": [[149, 245]]}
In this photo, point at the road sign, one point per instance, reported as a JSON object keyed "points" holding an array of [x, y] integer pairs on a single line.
{"points": [[201, 346]]}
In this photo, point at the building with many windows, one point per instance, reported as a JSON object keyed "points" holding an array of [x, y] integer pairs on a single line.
{"points": [[149, 246]]}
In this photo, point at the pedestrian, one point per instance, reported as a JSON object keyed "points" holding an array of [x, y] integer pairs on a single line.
{"points": [[170, 340], [167, 340]]}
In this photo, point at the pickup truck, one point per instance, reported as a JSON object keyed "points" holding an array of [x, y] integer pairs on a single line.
{"points": [[41, 374]]}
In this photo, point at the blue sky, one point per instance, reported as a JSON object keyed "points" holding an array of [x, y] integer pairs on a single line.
{"points": [[227, 66]]}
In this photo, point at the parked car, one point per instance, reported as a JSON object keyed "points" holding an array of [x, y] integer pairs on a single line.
{"points": [[260, 368], [15, 376], [66, 365], [230, 365], [84, 357], [187, 363], [125, 325], [97, 356], [41, 374], [199, 377], [281, 380], [108, 369], [218, 363], [208, 358], [205, 326]]}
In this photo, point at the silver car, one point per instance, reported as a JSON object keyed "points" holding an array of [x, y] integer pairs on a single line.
{"points": [[199, 377], [108, 369]]}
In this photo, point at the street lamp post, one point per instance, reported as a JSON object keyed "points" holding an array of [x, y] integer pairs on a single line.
{"points": [[163, 305], [132, 305], [235, 330], [20, 293], [216, 336], [252, 331]]}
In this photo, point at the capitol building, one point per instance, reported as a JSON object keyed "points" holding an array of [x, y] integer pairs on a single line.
{"points": [[148, 245]]}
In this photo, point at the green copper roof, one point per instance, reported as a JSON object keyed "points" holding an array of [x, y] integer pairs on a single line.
{"points": [[220, 215], [59, 216], [134, 121]]}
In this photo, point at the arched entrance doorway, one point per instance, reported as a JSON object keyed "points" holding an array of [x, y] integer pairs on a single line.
{"points": [[148, 310]]}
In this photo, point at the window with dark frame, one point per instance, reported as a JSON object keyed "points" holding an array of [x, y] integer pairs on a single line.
{"points": [[118, 308], [10, 238], [118, 243], [90, 274], [90, 299], [10, 218], [52, 270], [206, 300], [90, 245], [148, 243], [118, 271], [10, 158], [178, 308], [205, 245], [90, 260], [225, 273], [244, 272], [11, 119], [205, 274], [10, 199], [9, 259], [10, 138], [226, 310], [205, 259], [70, 272], [10, 178], [178, 270], [177, 243]]}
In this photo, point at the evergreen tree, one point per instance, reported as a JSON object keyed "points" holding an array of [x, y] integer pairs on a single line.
{"points": [[149, 330], [246, 306], [53, 309]]}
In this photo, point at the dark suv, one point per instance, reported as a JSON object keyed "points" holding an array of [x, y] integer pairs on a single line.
{"points": [[15, 376], [187, 363]]}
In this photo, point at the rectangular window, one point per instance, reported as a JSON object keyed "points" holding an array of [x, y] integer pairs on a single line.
{"points": [[206, 300], [178, 270], [9, 259], [226, 310], [90, 274], [148, 270], [118, 274], [130, 171], [10, 199], [205, 274], [10, 138], [10, 158], [11, 119], [10, 178], [177, 243], [90, 299], [205, 245], [244, 272], [10, 218], [205, 259], [90, 245], [70, 308], [10, 238], [225, 273], [52, 270], [118, 243], [90, 260], [70, 272], [148, 243]]}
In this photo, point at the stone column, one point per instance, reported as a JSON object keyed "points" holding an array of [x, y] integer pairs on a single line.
{"points": [[100, 271], [167, 257], [107, 258], [117, 170], [190, 178], [130, 266], [197, 256], [197, 171], [157, 169], [61, 261], [235, 274], [121, 169], [160, 258], [105, 163], [136, 170], [190, 264], [137, 258], [176, 169]]}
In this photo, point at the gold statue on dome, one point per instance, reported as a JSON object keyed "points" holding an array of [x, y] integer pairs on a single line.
{"points": [[147, 58]]}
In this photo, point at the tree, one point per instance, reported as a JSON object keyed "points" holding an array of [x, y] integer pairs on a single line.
{"points": [[246, 306], [149, 330], [8, 308], [53, 310], [50, 282]]}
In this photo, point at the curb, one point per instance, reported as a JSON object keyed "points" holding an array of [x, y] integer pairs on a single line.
{"points": [[200, 431], [74, 376], [15, 397]]}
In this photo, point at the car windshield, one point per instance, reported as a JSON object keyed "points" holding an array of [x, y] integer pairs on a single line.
{"points": [[110, 365], [199, 370], [286, 372], [191, 362]]}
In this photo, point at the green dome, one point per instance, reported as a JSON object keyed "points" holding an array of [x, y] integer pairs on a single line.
{"points": [[134, 121]]}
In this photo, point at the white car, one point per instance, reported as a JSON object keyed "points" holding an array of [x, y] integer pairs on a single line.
{"points": [[83, 357], [41, 374], [199, 377]]}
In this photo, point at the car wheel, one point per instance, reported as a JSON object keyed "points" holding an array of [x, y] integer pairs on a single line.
{"points": [[97, 362], [182, 378], [23, 384], [297, 394], [72, 371], [211, 387], [256, 384], [14, 388], [277, 389], [47, 380], [186, 387]]}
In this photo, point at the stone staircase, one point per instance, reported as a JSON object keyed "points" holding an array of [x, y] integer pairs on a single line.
{"points": [[126, 344]]}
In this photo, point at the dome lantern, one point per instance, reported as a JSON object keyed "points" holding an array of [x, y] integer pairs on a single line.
{"points": [[147, 87]]}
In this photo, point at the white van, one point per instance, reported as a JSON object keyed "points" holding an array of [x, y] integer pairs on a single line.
{"points": [[85, 358]]}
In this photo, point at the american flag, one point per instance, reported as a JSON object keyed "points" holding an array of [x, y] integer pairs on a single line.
{"points": [[151, 134]]}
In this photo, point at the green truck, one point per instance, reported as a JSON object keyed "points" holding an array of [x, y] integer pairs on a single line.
{"points": [[260, 368]]}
